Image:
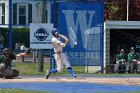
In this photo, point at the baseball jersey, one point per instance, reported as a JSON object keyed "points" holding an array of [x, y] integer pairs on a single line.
{"points": [[7, 62], [119, 57], [57, 44], [132, 56]]}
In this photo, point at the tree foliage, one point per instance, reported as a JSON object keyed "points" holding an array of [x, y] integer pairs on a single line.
{"points": [[134, 10], [115, 9]]}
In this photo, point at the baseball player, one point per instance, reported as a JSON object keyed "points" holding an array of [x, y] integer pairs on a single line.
{"points": [[122, 59], [59, 56], [133, 58], [6, 70]]}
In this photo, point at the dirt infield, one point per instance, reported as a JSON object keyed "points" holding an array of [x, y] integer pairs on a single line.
{"points": [[66, 84], [135, 81]]}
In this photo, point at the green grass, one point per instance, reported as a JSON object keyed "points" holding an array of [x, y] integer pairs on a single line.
{"points": [[29, 91], [20, 91], [30, 69]]}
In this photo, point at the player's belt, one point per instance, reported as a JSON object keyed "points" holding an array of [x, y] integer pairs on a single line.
{"points": [[57, 52]]}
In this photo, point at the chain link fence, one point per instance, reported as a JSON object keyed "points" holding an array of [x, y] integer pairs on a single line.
{"points": [[24, 12]]}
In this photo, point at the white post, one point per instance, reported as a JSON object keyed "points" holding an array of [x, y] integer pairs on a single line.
{"points": [[127, 10]]}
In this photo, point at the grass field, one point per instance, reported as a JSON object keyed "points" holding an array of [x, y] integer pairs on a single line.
{"points": [[30, 69], [28, 91], [20, 91]]}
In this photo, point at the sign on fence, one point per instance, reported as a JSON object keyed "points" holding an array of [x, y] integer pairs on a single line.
{"points": [[82, 23], [40, 35]]}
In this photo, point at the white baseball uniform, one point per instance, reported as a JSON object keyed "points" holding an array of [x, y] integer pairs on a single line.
{"points": [[59, 56]]}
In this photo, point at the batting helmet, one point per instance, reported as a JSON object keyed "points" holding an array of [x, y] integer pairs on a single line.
{"points": [[54, 30]]}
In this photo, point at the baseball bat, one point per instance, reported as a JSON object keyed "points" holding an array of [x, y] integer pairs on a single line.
{"points": [[73, 36]]}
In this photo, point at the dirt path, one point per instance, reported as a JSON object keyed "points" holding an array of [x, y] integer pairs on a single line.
{"points": [[119, 81]]}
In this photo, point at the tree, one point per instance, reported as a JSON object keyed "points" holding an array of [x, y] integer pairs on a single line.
{"points": [[115, 9], [134, 10]]}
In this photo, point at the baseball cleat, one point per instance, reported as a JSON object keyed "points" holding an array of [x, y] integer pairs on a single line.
{"points": [[75, 77], [47, 74]]}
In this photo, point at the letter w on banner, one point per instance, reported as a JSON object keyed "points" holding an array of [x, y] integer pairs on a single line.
{"points": [[82, 23]]}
